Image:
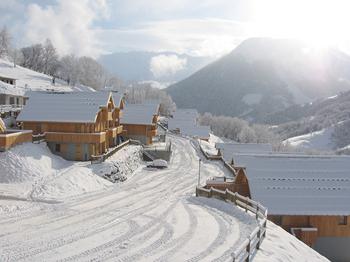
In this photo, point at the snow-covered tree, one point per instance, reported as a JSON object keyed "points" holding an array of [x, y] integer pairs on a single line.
{"points": [[50, 58], [5, 42]]}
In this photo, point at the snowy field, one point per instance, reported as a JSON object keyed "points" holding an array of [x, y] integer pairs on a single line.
{"points": [[152, 216]]}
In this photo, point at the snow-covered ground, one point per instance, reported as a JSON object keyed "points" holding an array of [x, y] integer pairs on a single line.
{"points": [[279, 245], [31, 172], [30, 80], [319, 140], [153, 216]]}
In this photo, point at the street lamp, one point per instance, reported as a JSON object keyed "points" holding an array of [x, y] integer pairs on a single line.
{"points": [[199, 171]]}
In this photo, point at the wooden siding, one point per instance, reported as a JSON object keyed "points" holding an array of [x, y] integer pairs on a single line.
{"points": [[76, 137], [8, 140]]}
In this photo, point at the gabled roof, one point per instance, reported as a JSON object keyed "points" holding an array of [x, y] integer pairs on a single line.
{"points": [[196, 131], [74, 107], [139, 114], [299, 184], [229, 149], [117, 98]]}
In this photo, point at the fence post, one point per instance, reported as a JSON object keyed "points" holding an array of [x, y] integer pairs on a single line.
{"points": [[210, 192], [257, 211], [259, 238], [246, 204], [196, 191], [235, 198], [248, 250]]}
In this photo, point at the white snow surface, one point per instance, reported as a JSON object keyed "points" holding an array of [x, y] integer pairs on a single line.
{"points": [[29, 80], [31, 172], [153, 216], [319, 140], [279, 245]]}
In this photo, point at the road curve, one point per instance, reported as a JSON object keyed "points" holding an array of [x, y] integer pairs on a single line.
{"points": [[153, 216]]}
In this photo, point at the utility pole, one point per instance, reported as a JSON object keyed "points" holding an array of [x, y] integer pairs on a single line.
{"points": [[199, 171]]}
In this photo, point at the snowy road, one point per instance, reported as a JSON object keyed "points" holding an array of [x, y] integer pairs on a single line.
{"points": [[153, 216]]}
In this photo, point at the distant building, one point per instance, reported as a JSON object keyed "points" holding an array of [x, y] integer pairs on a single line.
{"points": [[76, 125], [140, 122], [184, 121], [8, 80]]}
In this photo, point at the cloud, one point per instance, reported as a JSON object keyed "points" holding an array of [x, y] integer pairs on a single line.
{"points": [[166, 65], [69, 25], [198, 37]]}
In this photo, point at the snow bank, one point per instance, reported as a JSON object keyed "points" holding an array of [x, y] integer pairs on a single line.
{"points": [[31, 172], [279, 245], [121, 165]]}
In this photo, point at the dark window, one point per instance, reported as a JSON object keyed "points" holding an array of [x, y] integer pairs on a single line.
{"points": [[12, 100], [343, 220], [58, 148]]}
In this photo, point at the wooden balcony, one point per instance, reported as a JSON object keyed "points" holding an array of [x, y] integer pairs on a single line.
{"points": [[114, 131], [110, 116], [88, 138], [306, 234], [13, 137]]}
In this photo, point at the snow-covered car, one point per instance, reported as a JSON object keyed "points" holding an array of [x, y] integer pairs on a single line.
{"points": [[158, 163]]}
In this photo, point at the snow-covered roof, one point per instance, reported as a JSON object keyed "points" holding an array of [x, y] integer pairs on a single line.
{"points": [[229, 149], [185, 114], [298, 184], [199, 131], [139, 114], [117, 98], [78, 107]]}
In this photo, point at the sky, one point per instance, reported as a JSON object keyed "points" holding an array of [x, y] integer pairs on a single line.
{"points": [[195, 27]]}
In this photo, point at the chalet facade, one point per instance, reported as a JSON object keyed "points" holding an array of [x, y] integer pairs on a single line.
{"points": [[76, 125], [140, 122], [308, 196]]}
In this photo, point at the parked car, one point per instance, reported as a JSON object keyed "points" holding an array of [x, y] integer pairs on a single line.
{"points": [[158, 163]]}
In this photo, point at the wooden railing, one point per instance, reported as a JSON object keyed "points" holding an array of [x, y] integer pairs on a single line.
{"points": [[248, 248]]}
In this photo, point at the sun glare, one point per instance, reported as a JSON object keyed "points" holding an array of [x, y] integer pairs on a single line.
{"points": [[320, 23]]}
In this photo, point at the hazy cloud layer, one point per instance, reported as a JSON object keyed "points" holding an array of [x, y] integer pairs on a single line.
{"points": [[166, 65], [68, 24]]}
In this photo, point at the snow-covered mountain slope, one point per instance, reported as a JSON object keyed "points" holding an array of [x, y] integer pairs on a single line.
{"points": [[29, 80], [319, 140], [262, 76], [153, 216]]}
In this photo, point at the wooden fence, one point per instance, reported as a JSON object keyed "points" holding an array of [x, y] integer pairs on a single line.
{"points": [[218, 158], [247, 249]]}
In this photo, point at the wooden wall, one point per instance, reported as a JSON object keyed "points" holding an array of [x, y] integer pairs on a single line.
{"points": [[327, 226], [8, 140]]}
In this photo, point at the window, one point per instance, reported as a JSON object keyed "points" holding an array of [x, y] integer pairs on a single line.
{"points": [[343, 220], [12, 100], [58, 148], [17, 101]]}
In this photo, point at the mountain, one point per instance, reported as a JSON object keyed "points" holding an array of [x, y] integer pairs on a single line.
{"points": [[262, 76], [157, 66]]}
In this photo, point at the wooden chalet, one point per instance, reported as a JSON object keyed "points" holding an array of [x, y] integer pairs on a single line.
{"points": [[140, 122], [76, 125], [308, 196]]}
